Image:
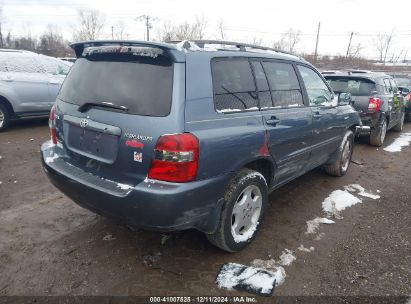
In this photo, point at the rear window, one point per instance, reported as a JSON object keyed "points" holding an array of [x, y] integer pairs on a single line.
{"points": [[142, 84], [357, 87]]}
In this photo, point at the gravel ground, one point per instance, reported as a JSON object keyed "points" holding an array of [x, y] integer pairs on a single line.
{"points": [[50, 246]]}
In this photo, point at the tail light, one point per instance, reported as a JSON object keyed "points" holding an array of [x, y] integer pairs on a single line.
{"points": [[52, 125], [374, 105], [175, 159], [408, 97]]}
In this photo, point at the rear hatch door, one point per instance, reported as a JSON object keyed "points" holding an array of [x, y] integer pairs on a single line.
{"points": [[361, 90], [114, 105]]}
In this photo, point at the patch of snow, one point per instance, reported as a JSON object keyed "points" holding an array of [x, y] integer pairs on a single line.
{"points": [[402, 141], [1, 157], [1, 182], [273, 267], [319, 236], [287, 258], [362, 191], [50, 159], [252, 279], [124, 186], [378, 191], [247, 235], [293, 105], [108, 237], [339, 200], [302, 248], [313, 225], [31, 139], [237, 110]]}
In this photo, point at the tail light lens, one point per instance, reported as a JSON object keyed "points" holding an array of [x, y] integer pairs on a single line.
{"points": [[52, 125], [176, 158], [374, 105], [408, 97]]}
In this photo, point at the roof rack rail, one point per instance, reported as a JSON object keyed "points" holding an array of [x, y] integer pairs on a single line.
{"points": [[241, 46]]}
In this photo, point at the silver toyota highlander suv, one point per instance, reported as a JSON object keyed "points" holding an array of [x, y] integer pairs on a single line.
{"points": [[29, 84]]}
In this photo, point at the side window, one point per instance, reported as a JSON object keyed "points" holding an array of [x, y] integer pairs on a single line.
{"points": [[318, 92], [22, 64], [262, 86], [54, 67], [233, 85], [387, 86], [393, 86], [285, 89]]}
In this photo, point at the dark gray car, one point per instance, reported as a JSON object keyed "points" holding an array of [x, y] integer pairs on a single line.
{"points": [[376, 98], [171, 137]]}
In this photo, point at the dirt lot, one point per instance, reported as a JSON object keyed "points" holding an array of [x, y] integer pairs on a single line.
{"points": [[50, 246]]}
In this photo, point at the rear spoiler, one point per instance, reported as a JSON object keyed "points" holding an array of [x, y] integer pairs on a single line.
{"points": [[169, 50]]}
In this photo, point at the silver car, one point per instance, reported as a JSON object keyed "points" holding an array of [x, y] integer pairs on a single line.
{"points": [[29, 84]]}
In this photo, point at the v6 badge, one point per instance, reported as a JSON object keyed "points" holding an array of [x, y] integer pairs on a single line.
{"points": [[138, 157]]}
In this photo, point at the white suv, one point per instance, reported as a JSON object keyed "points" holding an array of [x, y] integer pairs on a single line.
{"points": [[29, 84]]}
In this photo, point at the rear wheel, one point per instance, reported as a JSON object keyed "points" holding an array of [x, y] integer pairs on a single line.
{"points": [[398, 127], [244, 206], [377, 137], [342, 162], [4, 117]]}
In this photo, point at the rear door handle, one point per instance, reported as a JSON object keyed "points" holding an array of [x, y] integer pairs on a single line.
{"points": [[317, 115], [273, 121]]}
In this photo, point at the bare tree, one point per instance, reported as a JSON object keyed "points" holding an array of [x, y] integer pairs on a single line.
{"points": [[1, 23], [52, 43], [382, 43], [183, 31], [221, 29], [354, 51], [255, 40], [288, 41], [91, 23], [120, 31]]}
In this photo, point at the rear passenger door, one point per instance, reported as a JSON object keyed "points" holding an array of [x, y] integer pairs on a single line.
{"points": [[29, 83], [286, 118], [328, 124]]}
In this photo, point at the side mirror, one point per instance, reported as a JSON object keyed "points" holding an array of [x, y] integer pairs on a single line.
{"points": [[404, 90], [344, 99]]}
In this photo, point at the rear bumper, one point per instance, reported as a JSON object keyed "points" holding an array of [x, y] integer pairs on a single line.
{"points": [[152, 205]]}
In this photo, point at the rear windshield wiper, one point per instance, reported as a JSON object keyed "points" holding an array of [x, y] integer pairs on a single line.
{"points": [[86, 106]]}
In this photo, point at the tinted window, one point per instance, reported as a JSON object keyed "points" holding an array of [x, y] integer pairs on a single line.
{"points": [[357, 87], [233, 83], [318, 92], [262, 86], [284, 85], [142, 84]]}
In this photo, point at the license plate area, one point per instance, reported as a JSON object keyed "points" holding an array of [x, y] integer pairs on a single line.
{"points": [[94, 144]]}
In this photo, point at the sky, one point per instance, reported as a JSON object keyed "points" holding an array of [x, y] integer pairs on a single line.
{"points": [[243, 20]]}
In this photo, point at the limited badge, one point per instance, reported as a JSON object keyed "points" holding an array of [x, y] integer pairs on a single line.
{"points": [[138, 157]]}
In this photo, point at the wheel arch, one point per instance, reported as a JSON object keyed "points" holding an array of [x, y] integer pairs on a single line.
{"points": [[8, 105]]}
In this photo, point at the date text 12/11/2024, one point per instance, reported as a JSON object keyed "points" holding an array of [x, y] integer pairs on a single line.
{"points": [[204, 299]]}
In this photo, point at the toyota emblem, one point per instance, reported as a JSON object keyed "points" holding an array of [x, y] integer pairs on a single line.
{"points": [[83, 123]]}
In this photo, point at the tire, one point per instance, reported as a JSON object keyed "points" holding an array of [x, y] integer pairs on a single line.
{"points": [[4, 117], [399, 126], [242, 213], [377, 138], [343, 160]]}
